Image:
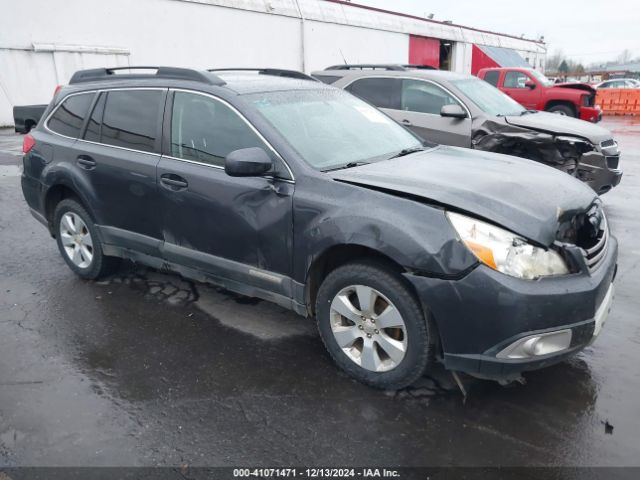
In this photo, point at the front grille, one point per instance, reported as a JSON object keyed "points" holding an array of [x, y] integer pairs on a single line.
{"points": [[612, 161], [608, 143], [595, 254]]}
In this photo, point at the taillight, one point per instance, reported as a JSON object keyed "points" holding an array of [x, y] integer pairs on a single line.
{"points": [[28, 143], [55, 92]]}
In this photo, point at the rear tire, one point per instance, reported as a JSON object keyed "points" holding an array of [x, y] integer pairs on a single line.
{"points": [[384, 345], [562, 110], [78, 241]]}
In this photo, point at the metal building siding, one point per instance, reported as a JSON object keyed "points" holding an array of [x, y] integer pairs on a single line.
{"points": [[504, 57]]}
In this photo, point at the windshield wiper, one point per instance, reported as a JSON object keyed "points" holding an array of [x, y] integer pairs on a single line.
{"points": [[347, 165], [524, 112], [407, 151]]}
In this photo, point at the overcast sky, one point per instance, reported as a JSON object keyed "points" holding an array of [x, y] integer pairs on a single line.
{"points": [[587, 30]]}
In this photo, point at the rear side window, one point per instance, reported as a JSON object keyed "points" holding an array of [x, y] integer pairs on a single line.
{"points": [[206, 130], [381, 92], [69, 117], [131, 119], [492, 77]]}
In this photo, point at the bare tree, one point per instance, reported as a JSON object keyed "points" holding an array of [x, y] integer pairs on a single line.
{"points": [[625, 56], [553, 61]]}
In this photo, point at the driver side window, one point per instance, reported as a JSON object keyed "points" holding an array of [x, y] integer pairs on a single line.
{"points": [[205, 130], [424, 97], [515, 80]]}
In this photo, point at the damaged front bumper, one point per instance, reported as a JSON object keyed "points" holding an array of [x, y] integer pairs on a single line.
{"points": [[495, 326], [600, 169], [596, 165], [591, 114]]}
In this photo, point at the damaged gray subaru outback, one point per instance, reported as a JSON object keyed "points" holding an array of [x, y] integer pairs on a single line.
{"points": [[273, 185]]}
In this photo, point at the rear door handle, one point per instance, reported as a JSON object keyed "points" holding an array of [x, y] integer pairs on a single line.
{"points": [[407, 122], [173, 182], [86, 162]]}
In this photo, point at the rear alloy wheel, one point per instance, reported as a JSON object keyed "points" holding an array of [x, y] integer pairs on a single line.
{"points": [[373, 326], [76, 239], [79, 243]]}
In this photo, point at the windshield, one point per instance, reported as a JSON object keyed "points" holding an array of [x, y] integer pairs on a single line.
{"points": [[331, 128], [541, 78], [488, 98]]}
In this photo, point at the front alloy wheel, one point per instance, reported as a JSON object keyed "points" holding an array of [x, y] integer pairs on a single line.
{"points": [[373, 325], [369, 328]]}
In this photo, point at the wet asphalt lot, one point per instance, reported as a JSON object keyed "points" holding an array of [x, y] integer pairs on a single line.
{"points": [[147, 369]]}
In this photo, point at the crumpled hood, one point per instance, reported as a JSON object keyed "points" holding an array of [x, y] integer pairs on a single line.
{"points": [[561, 125], [521, 195], [576, 86]]}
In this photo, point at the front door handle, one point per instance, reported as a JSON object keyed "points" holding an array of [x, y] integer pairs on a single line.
{"points": [[86, 162], [407, 123], [173, 182]]}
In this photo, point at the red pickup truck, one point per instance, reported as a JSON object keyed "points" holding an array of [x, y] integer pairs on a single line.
{"points": [[534, 91]]}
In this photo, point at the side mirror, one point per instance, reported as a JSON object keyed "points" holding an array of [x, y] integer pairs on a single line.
{"points": [[530, 84], [247, 162], [453, 111]]}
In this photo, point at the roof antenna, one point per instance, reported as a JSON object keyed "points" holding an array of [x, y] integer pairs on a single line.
{"points": [[342, 55]]}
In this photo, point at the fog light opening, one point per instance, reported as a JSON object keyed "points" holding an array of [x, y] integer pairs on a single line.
{"points": [[537, 345]]}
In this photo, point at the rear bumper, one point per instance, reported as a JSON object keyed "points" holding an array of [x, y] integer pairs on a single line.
{"points": [[590, 114], [486, 312]]}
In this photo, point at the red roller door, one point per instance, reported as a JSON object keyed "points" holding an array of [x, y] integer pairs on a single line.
{"points": [[424, 51]]}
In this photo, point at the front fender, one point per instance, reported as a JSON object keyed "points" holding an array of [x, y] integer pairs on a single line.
{"points": [[412, 233]]}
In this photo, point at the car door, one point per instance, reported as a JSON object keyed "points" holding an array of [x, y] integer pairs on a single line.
{"points": [[421, 102], [514, 85], [119, 152], [416, 104], [235, 229]]}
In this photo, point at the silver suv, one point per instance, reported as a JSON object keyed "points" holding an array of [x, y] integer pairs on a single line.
{"points": [[462, 110]]}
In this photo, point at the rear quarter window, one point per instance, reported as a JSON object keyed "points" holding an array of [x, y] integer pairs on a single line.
{"points": [[69, 117], [131, 119]]}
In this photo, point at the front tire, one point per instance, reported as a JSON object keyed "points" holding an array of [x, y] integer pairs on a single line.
{"points": [[562, 110], [372, 326], [79, 243]]}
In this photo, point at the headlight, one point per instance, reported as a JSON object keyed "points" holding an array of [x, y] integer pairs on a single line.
{"points": [[506, 252]]}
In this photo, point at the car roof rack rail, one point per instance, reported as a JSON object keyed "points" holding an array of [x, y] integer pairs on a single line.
{"points": [[413, 66], [172, 73], [380, 66], [277, 72]]}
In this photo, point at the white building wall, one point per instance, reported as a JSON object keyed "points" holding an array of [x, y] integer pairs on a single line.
{"points": [[462, 57], [153, 32], [330, 44], [42, 42]]}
